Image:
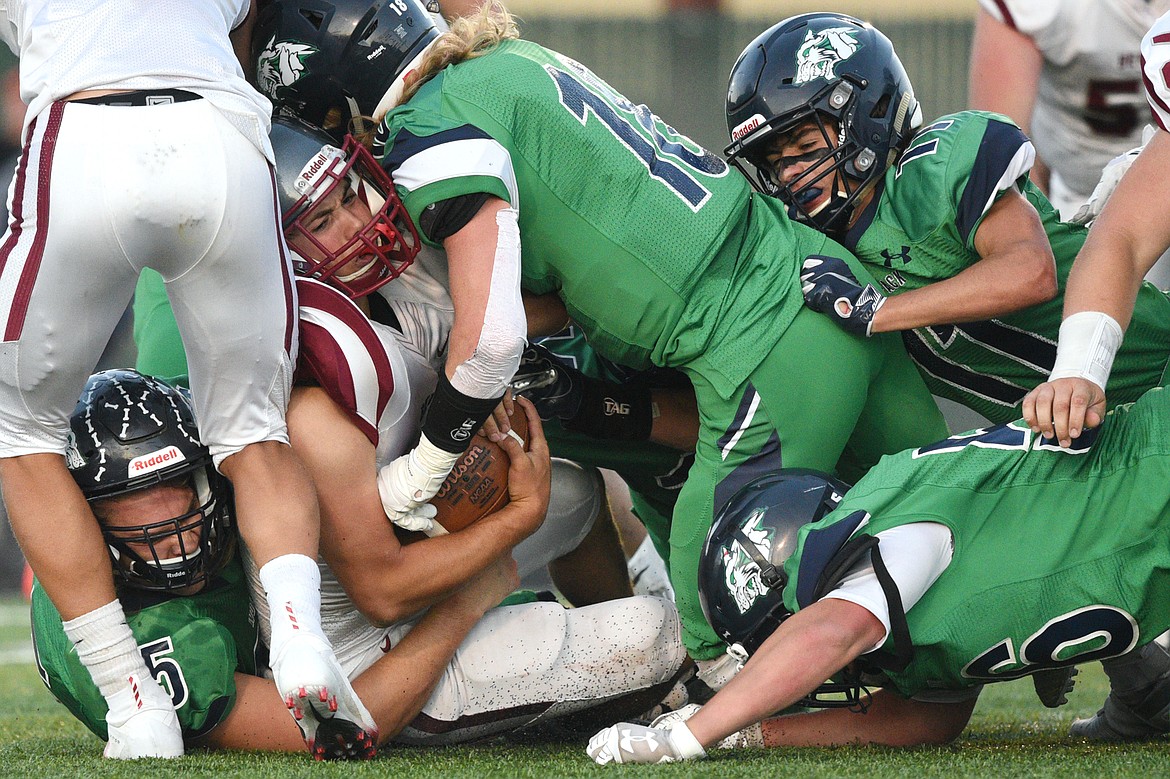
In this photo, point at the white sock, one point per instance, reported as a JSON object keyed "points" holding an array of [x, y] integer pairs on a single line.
{"points": [[107, 648], [292, 585]]}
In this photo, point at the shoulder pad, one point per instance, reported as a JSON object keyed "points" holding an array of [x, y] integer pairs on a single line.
{"points": [[822, 545], [341, 352]]}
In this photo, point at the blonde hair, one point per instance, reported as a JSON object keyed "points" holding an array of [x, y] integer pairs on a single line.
{"points": [[469, 37]]}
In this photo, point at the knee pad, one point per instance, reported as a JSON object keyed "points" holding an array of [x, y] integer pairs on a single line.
{"points": [[577, 495]]}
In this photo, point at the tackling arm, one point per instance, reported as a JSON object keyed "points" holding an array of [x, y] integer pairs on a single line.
{"points": [[394, 689], [828, 635], [1124, 242], [1016, 270]]}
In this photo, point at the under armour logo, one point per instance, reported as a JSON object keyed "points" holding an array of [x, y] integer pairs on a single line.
{"points": [[628, 738], [889, 256]]}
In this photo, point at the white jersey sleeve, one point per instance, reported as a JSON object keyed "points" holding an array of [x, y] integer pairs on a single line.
{"points": [[915, 555], [1156, 69], [1030, 17], [372, 371], [10, 24]]}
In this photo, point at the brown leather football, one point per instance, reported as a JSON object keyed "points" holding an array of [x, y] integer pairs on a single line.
{"points": [[478, 484]]}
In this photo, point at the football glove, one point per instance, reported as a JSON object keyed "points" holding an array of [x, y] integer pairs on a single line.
{"points": [[593, 407], [406, 484], [629, 743], [1111, 176], [830, 288], [751, 736], [552, 386]]}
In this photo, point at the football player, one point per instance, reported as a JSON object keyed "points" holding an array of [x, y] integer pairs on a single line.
{"points": [[165, 143], [362, 377], [168, 519], [971, 259], [334, 212], [1125, 241], [906, 583], [531, 172], [1068, 72]]}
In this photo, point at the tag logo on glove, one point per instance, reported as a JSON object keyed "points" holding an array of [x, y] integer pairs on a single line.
{"points": [[612, 407]]}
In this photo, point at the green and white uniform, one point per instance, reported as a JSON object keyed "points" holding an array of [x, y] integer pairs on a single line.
{"points": [[665, 258], [193, 645], [1060, 556], [653, 472], [920, 229]]}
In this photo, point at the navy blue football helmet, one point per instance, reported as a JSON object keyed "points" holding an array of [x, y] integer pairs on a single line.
{"points": [[741, 573], [130, 432], [314, 57], [840, 73]]}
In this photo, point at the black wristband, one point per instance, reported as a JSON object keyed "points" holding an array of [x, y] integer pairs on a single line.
{"points": [[618, 412], [450, 418]]}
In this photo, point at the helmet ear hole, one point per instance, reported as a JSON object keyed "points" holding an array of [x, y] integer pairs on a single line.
{"points": [[880, 108], [313, 17]]}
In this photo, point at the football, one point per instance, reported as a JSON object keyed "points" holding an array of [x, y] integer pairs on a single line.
{"points": [[478, 484]]}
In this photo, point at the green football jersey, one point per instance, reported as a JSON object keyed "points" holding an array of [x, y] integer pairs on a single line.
{"points": [[921, 228], [1061, 556], [653, 472], [193, 645], [659, 250]]}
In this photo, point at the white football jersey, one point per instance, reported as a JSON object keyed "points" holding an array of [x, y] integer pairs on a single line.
{"points": [[68, 46], [1089, 105]]}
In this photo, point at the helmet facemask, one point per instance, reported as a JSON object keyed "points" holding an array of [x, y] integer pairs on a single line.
{"points": [[140, 554], [388, 241], [844, 166]]}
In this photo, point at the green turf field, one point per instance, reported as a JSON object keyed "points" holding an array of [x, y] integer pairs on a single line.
{"points": [[1011, 735]]}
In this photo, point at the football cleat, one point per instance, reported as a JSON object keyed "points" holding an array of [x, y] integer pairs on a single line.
{"points": [[152, 727], [333, 721], [1138, 705]]}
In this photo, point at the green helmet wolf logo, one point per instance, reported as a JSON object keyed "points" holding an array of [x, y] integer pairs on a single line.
{"points": [[822, 50], [742, 575], [281, 64]]}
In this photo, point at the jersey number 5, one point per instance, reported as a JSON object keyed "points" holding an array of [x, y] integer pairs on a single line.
{"points": [[165, 670]]}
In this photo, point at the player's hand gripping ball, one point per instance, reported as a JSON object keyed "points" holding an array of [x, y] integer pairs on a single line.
{"points": [[478, 484]]}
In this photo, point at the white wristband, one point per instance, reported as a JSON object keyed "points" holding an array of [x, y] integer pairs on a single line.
{"points": [[1088, 342], [685, 743]]}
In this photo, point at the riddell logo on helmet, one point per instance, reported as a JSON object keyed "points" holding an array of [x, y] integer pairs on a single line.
{"points": [[307, 181], [747, 128], [163, 458]]}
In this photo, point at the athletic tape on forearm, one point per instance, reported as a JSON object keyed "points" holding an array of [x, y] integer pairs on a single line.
{"points": [[618, 412], [496, 356], [1089, 340], [451, 418]]}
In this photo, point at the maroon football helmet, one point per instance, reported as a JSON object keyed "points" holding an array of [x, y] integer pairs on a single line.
{"points": [[310, 170]]}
